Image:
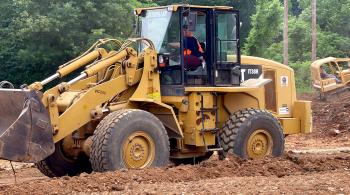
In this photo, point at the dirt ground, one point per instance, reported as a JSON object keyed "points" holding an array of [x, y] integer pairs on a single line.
{"points": [[331, 127], [315, 163]]}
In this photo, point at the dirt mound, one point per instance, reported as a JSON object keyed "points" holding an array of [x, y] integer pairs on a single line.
{"points": [[331, 128], [330, 117], [289, 164]]}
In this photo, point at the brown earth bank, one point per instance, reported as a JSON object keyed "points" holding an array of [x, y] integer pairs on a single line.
{"points": [[253, 175], [331, 127], [292, 173]]}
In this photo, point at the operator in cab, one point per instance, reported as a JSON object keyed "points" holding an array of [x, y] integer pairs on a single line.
{"points": [[193, 51], [325, 75]]}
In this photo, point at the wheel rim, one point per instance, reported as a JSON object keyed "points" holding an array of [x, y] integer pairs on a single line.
{"points": [[138, 150], [259, 144]]}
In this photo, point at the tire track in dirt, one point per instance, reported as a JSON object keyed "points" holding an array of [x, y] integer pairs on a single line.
{"points": [[288, 165]]}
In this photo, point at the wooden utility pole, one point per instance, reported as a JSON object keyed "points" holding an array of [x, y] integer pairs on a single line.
{"points": [[285, 34], [314, 31]]}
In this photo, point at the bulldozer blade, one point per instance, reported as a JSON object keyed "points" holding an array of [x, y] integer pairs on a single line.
{"points": [[25, 128]]}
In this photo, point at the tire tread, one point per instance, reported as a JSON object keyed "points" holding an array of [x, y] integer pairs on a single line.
{"points": [[231, 128], [103, 132]]}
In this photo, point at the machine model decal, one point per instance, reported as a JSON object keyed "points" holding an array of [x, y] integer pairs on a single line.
{"points": [[283, 110], [250, 72]]}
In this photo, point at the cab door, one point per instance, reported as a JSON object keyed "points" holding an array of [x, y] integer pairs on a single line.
{"points": [[226, 48]]}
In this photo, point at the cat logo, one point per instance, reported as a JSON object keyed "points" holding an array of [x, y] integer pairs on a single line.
{"points": [[284, 81], [100, 92]]}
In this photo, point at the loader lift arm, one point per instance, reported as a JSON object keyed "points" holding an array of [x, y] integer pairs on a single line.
{"points": [[35, 123]]}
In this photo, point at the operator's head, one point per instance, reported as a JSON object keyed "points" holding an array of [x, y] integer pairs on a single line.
{"points": [[187, 33]]}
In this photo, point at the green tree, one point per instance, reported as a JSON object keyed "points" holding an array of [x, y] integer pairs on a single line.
{"points": [[333, 34], [266, 28], [39, 35]]}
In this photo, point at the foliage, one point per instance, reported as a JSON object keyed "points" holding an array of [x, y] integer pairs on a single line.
{"points": [[302, 76], [39, 35], [333, 33], [268, 16]]}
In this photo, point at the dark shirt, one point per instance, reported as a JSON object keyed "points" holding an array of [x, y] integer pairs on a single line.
{"points": [[191, 43], [327, 76]]}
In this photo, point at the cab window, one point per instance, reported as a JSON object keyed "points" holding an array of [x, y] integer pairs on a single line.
{"points": [[162, 27], [226, 40]]}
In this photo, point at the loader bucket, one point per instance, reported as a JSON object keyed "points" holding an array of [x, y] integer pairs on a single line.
{"points": [[25, 128]]}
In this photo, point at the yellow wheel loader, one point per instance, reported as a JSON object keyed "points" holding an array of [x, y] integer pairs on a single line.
{"points": [[179, 92], [330, 76]]}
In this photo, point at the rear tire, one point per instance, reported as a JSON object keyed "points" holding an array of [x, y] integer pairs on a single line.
{"points": [[129, 139], [57, 164], [252, 133]]}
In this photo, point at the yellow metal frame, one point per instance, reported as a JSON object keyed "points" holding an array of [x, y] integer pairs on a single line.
{"points": [[175, 7], [329, 84], [85, 98]]}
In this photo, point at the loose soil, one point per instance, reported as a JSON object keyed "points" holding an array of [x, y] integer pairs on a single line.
{"points": [[294, 172], [331, 127]]}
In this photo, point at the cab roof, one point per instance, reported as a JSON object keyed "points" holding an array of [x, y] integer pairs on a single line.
{"points": [[175, 7], [320, 62]]}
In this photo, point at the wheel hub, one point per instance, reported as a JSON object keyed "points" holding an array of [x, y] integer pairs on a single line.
{"points": [[259, 144], [138, 150]]}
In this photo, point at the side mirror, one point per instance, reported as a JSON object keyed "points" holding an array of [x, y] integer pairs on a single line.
{"points": [[185, 23], [134, 23], [163, 60], [192, 21]]}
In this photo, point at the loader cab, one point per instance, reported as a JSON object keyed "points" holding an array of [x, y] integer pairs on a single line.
{"points": [[196, 45]]}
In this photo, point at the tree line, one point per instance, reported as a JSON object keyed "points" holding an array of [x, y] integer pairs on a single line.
{"points": [[333, 33], [38, 35]]}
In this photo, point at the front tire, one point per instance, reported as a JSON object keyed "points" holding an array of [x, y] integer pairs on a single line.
{"points": [[58, 164], [129, 139], [252, 133]]}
